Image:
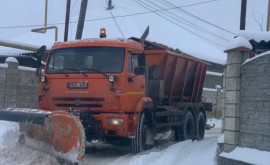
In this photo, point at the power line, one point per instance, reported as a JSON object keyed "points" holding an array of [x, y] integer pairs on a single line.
{"points": [[198, 18], [179, 25], [116, 22], [187, 22], [104, 18]]}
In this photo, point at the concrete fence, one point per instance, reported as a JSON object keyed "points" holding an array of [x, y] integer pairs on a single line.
{"points": [[254, 123], [246, 112], [18, 85]]}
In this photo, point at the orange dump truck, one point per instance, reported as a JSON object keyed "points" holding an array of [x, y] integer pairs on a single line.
{"points": [[120, 90]]}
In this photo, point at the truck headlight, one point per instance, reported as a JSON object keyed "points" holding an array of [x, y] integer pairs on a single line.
{"points": [[115, 121]]}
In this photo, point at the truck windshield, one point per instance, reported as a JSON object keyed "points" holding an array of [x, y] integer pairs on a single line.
{"points": [[86, 60]]}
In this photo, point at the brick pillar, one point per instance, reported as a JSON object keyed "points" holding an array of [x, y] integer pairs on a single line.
{"points": [[3, 72], [235, 58], [11, 82]]}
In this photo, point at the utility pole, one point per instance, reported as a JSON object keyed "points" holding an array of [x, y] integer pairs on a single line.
{"points": [[67, 20], [268, 16], [81, 20], [110, 6], [243, 15]]}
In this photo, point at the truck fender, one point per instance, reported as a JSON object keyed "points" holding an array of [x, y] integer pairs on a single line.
{"points": [[143, 103]]}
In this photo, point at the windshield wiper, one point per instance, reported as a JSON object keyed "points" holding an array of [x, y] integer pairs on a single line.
{"points": [[97, 70], [78, 70]]}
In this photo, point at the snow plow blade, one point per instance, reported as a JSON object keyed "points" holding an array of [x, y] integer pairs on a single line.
{"points": [[57, 133]]}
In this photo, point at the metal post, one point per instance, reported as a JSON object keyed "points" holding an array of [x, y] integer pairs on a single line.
{"points": [[81, 20], [110, 6], [67, 21], [268, 16], [243, 15], [218, 87], [216, 104]]}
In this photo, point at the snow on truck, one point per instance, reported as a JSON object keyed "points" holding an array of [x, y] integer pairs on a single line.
{"points": [[104, 89]]}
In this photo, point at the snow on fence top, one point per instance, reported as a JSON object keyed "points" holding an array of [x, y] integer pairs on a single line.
{"points": [[11, 59], [209, 73], [238, 42], [258, 56], [3, 65]]}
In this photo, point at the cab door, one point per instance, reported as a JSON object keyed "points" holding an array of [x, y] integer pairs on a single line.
{"points": [[135, 83]]}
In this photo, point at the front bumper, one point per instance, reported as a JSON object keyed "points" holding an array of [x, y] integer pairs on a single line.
{"points": [[127, 130]]}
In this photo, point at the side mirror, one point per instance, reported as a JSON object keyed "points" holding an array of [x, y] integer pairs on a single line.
{"points": [[40, 53], [139, 70], [141, 59]]}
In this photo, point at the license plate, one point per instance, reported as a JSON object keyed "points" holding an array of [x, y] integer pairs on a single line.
{"points": [[77, 84]]}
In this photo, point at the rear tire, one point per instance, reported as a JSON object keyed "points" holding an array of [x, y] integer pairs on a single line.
{"points": [[138, 143], [200, 126], [178, 133], [189, 128]]}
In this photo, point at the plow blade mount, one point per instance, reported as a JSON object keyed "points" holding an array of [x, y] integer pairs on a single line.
{"points": [[59, 133]]}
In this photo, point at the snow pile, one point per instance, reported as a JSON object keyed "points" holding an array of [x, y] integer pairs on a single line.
{"points": [[13, 153], [9, 133], [217, 122], [187, 152], [258, 56], [19, 154], [238, 42], [248, 155]]}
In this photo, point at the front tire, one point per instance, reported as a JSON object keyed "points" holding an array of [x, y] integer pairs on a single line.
{"points": [[138, 143]]}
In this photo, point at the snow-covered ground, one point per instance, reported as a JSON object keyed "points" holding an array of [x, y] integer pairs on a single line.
{"points": [[248, 155], [165, 152]]}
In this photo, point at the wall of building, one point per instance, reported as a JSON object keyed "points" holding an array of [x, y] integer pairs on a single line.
{"points": [[27, 89], [18, 86], [216, 98], [255, 104]]}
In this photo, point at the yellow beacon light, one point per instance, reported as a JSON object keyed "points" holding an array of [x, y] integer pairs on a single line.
{"points": [[102, 33]]}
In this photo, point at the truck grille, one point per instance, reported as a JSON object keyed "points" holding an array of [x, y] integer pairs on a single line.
{"points": [[78, 102], [75, 98], [80, 105]]}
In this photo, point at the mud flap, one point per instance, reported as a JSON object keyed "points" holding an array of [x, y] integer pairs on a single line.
{"points": [[149, 136]]}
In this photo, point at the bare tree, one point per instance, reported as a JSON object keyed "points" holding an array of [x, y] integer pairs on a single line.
{"points": [[256, 20]]}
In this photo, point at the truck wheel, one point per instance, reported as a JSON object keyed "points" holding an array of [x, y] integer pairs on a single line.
{"points": [[200, 126], [189, 128], [178, 133], [138, 143]]}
